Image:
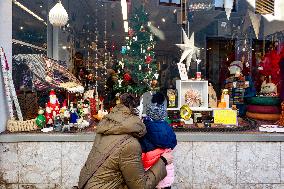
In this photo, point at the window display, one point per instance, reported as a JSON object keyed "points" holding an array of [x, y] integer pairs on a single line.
{"points": [[220, 69]]}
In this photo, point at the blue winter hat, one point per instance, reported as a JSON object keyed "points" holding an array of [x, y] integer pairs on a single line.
{"points": [[156, 111]]}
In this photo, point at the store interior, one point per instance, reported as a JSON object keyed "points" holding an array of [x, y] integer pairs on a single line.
{"points": [[217, 62]]}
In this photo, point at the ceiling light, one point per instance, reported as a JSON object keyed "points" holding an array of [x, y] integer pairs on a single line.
{"points": [[28, 11], [163, 20], [64, 47], [21, 28], [40, 6], [58, 15], [126, 25], [124, 9], [175, 11]]}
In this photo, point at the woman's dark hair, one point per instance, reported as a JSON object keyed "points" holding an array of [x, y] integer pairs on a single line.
{"points": [[158, 98], [130, 101]]}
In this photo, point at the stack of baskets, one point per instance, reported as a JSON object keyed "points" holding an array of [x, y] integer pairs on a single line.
{"points": [[264, 108]]}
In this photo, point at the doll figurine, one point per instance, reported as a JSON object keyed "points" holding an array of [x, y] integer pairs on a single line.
{"points": [[57, 123], [49, 117], [239, 86], [73, 116]]}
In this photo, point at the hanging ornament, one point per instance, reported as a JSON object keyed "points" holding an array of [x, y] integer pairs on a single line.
{"points": [[149, 48], [120, 82], [142, 29], [188, 49], [130, 32], [151, 37], [255, 20], [140, 67], [93, 46], [123, 50], [156, 75], [127, 77], [121, 64], [228, 5], [148, 60], [58, 15], [113, 47]]}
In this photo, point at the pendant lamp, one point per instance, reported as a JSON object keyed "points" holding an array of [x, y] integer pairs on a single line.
{"points": [[58, 15], [228, 5]]}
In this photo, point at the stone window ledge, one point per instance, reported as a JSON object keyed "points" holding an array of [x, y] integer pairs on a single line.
{"points": [[181, 137]]}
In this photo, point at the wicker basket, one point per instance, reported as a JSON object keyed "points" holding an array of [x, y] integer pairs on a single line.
{"points": [[20, 126]]}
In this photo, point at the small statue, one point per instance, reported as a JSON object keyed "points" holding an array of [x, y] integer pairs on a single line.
{"points": [[171, 93], [268, 88], [155, 85], [86, 109], [66, 117], [40, 120], [57, 123], [66, 125], [49, 116], [73, 116]]}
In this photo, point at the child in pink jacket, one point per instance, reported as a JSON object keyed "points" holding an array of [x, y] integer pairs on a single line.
{"points": [[159, 138]]}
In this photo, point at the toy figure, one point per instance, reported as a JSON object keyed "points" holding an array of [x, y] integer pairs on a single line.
{"points": [[80, 108], [40, 120], [66, 117], [49, 117], [63, 109], [86, 109], [57, 123], [53, 103], [73, 116], [239, 86], [171, 93]]}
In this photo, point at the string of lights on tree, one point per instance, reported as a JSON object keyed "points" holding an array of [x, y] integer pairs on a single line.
{"points": [[137, 68]]}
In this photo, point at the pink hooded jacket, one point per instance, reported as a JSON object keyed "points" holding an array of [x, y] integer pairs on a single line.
{"points": [[150, 158]]}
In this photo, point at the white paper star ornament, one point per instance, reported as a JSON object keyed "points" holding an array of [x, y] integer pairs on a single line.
{"points": [[188, 48]]}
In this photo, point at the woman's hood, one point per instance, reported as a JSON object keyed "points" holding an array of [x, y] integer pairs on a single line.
{"points": [[121, 121]]}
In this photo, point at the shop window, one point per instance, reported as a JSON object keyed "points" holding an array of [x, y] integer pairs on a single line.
{"points": [[169, 2]]}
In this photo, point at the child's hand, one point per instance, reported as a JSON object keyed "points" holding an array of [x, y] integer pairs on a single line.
{"points": [[168, 156]]}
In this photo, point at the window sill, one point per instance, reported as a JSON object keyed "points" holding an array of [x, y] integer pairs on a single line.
{"points": [[181, 137]]}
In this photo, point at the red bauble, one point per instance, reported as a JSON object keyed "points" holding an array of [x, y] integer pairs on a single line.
{"points": [[148, 60], [127, 77], [130, 32]]}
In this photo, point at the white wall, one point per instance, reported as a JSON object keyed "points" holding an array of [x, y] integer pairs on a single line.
{"points": [[6, 43]]}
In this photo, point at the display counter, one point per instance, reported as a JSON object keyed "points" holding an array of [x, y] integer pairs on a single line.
{"points": [[202, 160]]}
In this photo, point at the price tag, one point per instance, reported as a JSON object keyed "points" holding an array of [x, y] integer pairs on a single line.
{"points": [[226, 117]]}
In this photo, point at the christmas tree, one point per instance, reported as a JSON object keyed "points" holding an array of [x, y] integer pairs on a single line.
{"points": [[137, 68]]}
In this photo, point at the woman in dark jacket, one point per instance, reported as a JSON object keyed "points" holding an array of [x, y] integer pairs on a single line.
{"points": [[117, 142]]}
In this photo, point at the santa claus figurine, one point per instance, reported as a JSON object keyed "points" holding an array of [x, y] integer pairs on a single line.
{"points": [[53, 103]]}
